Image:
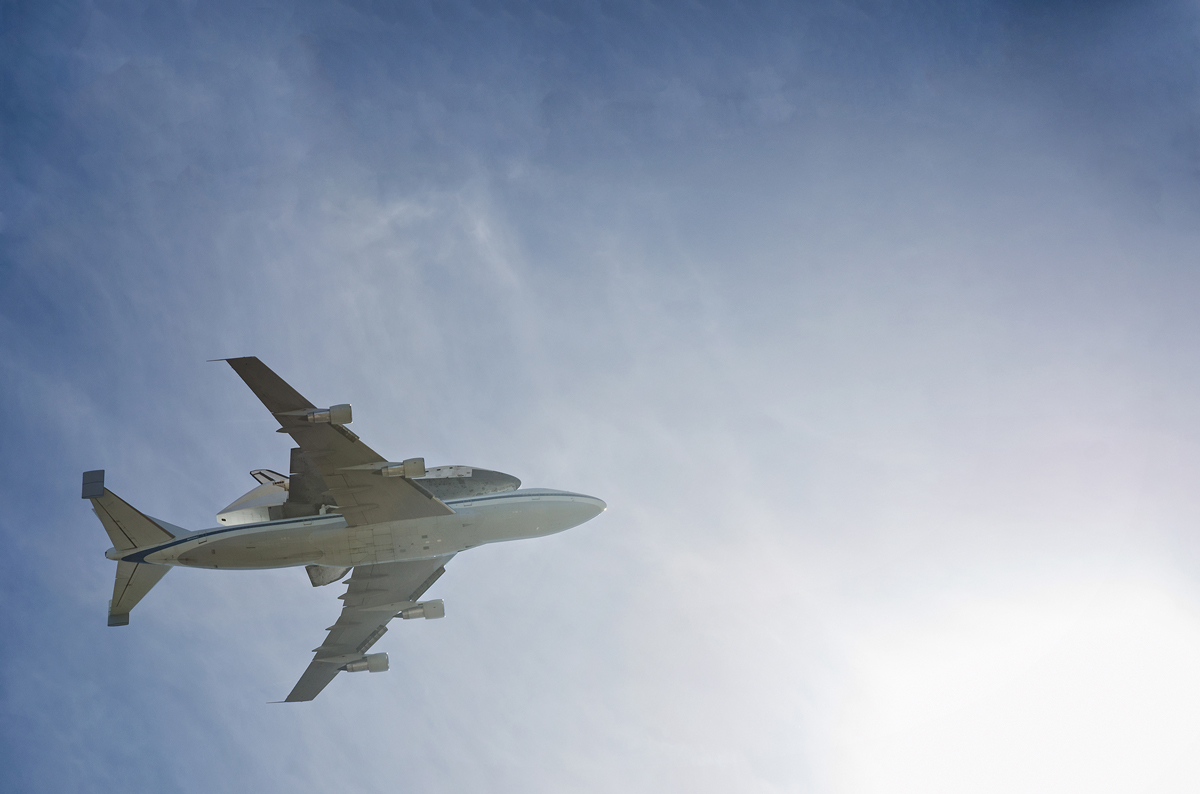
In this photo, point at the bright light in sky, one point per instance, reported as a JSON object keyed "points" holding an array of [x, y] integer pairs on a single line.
{"points": [[1077, 688]]}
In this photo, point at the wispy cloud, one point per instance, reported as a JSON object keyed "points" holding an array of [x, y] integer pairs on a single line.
{"points": [[873, 325]]}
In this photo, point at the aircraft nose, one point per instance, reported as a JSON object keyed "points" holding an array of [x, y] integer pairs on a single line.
{"points": [[596, 506]]}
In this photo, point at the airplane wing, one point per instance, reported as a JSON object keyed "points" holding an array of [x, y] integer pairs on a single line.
{"points": [[362, 496], [375, 594]]}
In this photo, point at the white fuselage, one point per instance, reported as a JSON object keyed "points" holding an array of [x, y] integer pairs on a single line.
{"points": [[326, 540]]}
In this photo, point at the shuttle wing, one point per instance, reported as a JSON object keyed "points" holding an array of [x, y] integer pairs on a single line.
{"points": [[345, 462], [374, 596]]}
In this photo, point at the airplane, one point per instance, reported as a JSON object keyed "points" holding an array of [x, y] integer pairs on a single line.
{"points": [[342, 508]]}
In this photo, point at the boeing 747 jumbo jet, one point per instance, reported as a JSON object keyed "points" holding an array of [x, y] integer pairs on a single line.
{"points": [[343, 507]]}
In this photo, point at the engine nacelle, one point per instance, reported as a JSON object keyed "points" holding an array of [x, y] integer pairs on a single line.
{"points": [[413, 467], [372, 663], [334, 415], [430, 610]]}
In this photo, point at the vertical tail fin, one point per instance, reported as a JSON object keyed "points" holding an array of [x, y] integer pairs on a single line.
{"points": [[128, 529]]}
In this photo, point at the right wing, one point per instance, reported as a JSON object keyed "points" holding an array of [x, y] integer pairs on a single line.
{"points": [[362, 496], [375, 594]]}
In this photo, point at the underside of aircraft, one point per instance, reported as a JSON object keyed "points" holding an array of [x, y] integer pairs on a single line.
{"points": [[342, 509]]}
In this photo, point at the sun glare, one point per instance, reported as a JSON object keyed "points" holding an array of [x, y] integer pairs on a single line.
{"points": [[1090, 689]]}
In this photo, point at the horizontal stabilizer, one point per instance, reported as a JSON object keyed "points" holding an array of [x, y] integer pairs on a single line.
{"points": [[134, 580], [173, 529], [127, 527]]}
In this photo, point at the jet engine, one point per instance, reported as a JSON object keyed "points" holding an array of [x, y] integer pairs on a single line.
{"points": [[413, 467], [430, 610], [372, 663], [334, 415]]}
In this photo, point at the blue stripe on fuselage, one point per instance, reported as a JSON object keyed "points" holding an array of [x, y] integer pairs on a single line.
{"points": [[140, 556], [208, 533]]}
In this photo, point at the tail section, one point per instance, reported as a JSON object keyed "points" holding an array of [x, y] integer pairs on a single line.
{"points": [[134, 580], [128, 529]]}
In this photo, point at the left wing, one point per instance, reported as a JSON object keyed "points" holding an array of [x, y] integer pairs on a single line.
{"points": [[349, 467], [376, 593]]}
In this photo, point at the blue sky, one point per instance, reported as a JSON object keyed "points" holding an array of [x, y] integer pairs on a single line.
{"points": [[872, 322]]}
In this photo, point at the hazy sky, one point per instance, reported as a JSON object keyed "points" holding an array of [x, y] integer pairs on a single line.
{"points": [[874, 323]]}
